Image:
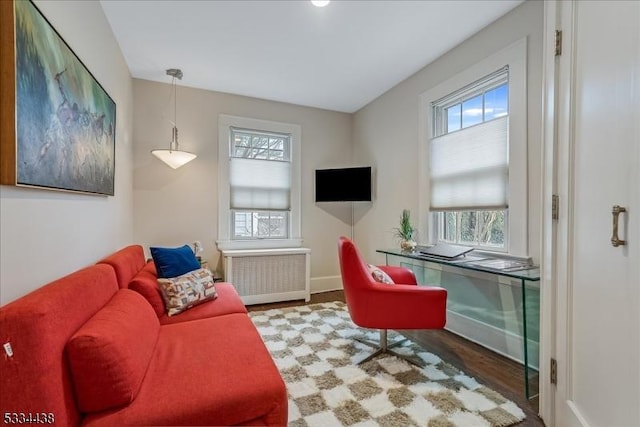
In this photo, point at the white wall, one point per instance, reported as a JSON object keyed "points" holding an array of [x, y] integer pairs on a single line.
{"points": [[47, 234], [385, 132], [174, 207]]}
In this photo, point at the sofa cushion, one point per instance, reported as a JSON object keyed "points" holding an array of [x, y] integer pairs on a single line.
{"points": [[227, 302], [174, 262], [214, 371], [186, 291], [127, 262], [146, 284], [109, 355]]}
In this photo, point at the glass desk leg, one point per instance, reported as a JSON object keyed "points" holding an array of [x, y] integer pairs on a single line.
{"points": [[528, 370], [524, 338]]}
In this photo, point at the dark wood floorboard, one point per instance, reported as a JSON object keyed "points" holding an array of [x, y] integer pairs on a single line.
{"points": [[491, 369]]}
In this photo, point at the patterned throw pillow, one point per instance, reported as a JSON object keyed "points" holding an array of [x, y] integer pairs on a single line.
{"points": [[183, 292], [379, 275]]}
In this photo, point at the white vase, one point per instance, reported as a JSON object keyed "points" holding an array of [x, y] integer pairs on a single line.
{"points": [[408, 245]]}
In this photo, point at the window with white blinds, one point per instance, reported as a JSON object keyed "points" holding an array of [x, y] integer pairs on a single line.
{"points": [[469, 151], [259, 184], [473, 170], [260, 170]]}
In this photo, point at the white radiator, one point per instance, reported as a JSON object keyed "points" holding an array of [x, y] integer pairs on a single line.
{"points": [[269, 275]]}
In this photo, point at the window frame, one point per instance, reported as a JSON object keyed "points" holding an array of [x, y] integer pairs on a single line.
{"points": [[514, 57], [479, 87], [440, 115], [226, 240]]}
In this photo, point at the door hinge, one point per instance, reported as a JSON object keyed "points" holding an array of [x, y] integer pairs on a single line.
{"points": [[558, 42], [555, 206], [554, 371]]}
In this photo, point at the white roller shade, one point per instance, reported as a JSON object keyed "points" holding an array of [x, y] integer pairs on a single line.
{"points": [[469, 169], [260, 184]]}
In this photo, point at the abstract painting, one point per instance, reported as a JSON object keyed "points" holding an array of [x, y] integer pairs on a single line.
{"points": [[65, 120]]}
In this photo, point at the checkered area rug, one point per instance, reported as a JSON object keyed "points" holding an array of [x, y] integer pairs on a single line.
{"points": [[314, 350]]}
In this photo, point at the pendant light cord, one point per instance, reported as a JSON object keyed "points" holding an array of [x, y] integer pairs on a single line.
{"points": [[174, 73], [175, 102], [174, 132], [173, 157]]}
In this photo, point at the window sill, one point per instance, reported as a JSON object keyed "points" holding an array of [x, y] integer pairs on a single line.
{"points": [[265, 252], [230, 245]]}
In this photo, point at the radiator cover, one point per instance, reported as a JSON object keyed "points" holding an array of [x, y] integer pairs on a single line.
{"points": [[269, 275]]}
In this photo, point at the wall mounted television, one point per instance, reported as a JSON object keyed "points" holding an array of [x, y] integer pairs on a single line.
{"points": [[343, 185]]}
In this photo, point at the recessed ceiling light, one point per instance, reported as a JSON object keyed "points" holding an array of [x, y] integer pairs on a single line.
{"points": [[320, 3]]}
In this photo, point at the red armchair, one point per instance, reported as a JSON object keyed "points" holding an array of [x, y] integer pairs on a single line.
{"points": [[374, 305]]}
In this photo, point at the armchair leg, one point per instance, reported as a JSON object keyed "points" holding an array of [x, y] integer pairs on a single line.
{"points": [[384, 347]]}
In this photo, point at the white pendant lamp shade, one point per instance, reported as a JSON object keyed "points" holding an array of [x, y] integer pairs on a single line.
{"points": [[173, 156]]}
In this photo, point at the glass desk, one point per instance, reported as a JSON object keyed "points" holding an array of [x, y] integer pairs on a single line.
{"points": [[456, 270]]}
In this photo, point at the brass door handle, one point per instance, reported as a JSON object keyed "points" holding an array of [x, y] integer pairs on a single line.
{"points": [[615, 240]]}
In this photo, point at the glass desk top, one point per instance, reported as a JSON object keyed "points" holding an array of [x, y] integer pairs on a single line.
{"points": [[472, 261]]}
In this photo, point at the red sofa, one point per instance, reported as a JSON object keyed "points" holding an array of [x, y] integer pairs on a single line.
{"points": [[133, 272], [92, 349]]}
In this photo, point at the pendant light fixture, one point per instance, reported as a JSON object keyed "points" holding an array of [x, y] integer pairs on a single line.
{"points": [[174, 157]]}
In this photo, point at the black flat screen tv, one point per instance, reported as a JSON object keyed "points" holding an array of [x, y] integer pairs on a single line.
{"points": [[343, 185]]}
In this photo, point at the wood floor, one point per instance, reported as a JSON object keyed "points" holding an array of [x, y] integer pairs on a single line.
{"points": [[499, 373]]}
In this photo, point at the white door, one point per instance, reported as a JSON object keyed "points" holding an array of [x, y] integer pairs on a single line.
{"points": [[597, 313]]}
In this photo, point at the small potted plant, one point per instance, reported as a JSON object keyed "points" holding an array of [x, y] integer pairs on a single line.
{"points": [[405, 232]]}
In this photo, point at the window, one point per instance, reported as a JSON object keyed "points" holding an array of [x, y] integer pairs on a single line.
{"points": [[484, 229], [473, 167], [259, 183], [260, 224], [469, 163]]}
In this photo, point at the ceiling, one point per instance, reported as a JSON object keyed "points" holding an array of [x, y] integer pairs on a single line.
{"points": [[339, 57]]}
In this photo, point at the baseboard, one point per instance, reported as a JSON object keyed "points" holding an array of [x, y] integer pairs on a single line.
{"points": [[275, 297], [573, 417], [325, 284], [495, 339]]}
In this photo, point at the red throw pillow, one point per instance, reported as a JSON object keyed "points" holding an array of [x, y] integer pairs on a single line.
{"points": [[109, 355]]}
